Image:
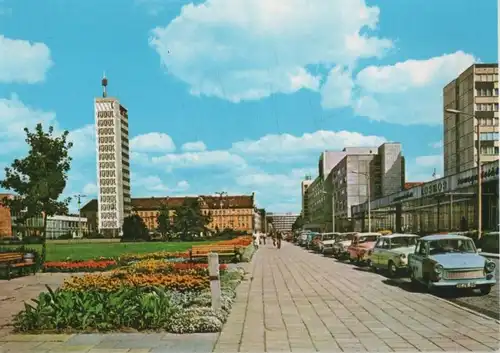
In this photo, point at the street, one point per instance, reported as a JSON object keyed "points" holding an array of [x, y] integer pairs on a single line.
{"points": [[299, 301]]}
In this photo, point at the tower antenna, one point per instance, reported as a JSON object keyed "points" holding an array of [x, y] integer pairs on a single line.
{"points": [[104, 83]]}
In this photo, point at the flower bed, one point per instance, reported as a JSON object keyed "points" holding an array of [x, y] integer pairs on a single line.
{"points": [[148, 295], [79, 266], [239, 241]]}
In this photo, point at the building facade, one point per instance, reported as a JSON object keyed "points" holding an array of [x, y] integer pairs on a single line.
{"points": [[233, 211], [282, 222], [113, 165], [58, 226], [445, 204], [304, 185], [474, 92]]}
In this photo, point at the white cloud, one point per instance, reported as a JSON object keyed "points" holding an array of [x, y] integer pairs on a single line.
{"points": [[286, 146], [437, 144], [14, 117], [83, 140], [337, 90], [408, 92], [152, 142], [196, 146], [90, 189], [149, 183], [425, 168], [182, 185], [203, 159], [22, 61], [250, 49]]}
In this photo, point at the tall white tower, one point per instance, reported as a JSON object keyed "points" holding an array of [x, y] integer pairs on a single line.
{"points": [[113, 165]]}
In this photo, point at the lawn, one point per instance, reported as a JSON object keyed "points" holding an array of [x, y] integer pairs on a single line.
{"points": [[75, 251]]}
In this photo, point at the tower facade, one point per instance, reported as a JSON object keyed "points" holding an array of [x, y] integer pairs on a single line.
{"points": [[113, 165]]}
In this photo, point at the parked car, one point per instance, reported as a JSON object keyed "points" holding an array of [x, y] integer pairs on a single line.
{"points": [[315, 243], [341, 244], [391, 253], [361, 244], [327, 241], [310, 238], [490, 242], [303, 238], [450, 261]]}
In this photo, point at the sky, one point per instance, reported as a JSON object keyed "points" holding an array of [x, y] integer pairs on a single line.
{"points": [[237, 95]]}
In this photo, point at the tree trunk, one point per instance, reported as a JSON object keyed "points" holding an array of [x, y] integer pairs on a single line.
{"points": [[44, 239]]}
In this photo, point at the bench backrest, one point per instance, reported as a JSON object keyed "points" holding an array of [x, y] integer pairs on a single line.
{"points": [[10, 256], [212, 248]]}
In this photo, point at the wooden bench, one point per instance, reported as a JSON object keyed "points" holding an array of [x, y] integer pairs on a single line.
{"points": [[15, 261], [198, 251]]}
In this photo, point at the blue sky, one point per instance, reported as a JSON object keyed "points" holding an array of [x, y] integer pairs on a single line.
{"points": [[237, 95]]}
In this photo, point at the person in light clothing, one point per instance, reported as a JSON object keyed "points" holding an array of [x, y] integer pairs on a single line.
{"points": [[256, 240]]}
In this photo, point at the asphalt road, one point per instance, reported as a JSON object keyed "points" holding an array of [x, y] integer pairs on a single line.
{"points": [[488, 305]]}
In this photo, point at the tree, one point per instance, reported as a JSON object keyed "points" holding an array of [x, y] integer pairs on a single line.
{"points": [[298, 224], [39, 179], [189, 220], [163, 219], [134, 228]]}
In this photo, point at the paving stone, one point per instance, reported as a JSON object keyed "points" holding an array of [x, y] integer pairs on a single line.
{"points": [[89, 339], [71, 349]]}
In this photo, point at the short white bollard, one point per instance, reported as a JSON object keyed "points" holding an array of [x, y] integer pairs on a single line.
{"points": [[213, 272]]}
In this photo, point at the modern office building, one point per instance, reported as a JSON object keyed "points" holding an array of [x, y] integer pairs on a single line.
{"points": [[282, 222], [345, 183], [113, 166], [475, 93]]}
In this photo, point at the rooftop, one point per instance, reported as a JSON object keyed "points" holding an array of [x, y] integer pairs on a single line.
{"points": [[443, 236]]}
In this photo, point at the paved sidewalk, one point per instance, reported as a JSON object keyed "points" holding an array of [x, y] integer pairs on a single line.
{"points": [[302, 302]]}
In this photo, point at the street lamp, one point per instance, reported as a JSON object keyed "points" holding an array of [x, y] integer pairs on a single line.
{"points": [[78, 198], [367, 175], [333, 208], [479, 186]]}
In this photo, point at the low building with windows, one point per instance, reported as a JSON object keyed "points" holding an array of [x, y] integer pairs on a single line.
{"points": [[445, 204], [282, 222], [236, 212]]}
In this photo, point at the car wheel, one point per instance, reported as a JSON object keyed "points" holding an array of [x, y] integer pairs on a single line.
{"points": [[413, 279], [392, 269], [485, 290]]}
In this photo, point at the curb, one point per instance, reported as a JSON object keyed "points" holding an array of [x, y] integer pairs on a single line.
{"points": [[490, 255], [467, 309]]}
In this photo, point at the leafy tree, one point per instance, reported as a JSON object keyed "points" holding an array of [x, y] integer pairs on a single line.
{"points": [[40, 178], [165, 227], [298, 224], [189, 220], [134, 228]]}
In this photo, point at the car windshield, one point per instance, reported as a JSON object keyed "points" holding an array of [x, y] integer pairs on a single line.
{"points": [[367, 238], [403, 242], [443, 246], [328, 236]]}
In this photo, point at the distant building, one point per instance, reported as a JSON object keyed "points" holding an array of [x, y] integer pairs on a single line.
{"points": [[237, 212], [304, 185], [282, 222]]}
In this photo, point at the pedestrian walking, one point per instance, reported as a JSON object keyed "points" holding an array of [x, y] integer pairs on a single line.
{"points": [[264, 236], [279, 237]]}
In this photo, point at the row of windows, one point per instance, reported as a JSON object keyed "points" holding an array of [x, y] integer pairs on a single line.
{"points": [[108, 190], [105, 131], [108, 215], [108, 182], [108, 207], [106, 165], [489, 150], [106, 148], [107, 139], [109, 224], [486, 92], [106, 156], [487, 107], [489, 136], [105, 123], [488, 121], [487, 78], [111, 199], [108, 174]]}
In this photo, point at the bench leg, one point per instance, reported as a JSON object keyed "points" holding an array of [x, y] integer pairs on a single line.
{"points": [[8, 272]]}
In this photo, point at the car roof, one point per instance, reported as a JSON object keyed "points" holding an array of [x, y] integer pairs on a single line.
{"points": [[366, 234], [398, 235], [443, 236]]}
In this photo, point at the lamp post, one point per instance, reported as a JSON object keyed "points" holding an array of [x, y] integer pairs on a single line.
{"points": [[367, 175], [479, 186], [333, 209], [79, 201]]}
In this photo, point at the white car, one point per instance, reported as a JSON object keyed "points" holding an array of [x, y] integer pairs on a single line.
{"points": [[326, 243], [391, 253], [341, 244]]}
